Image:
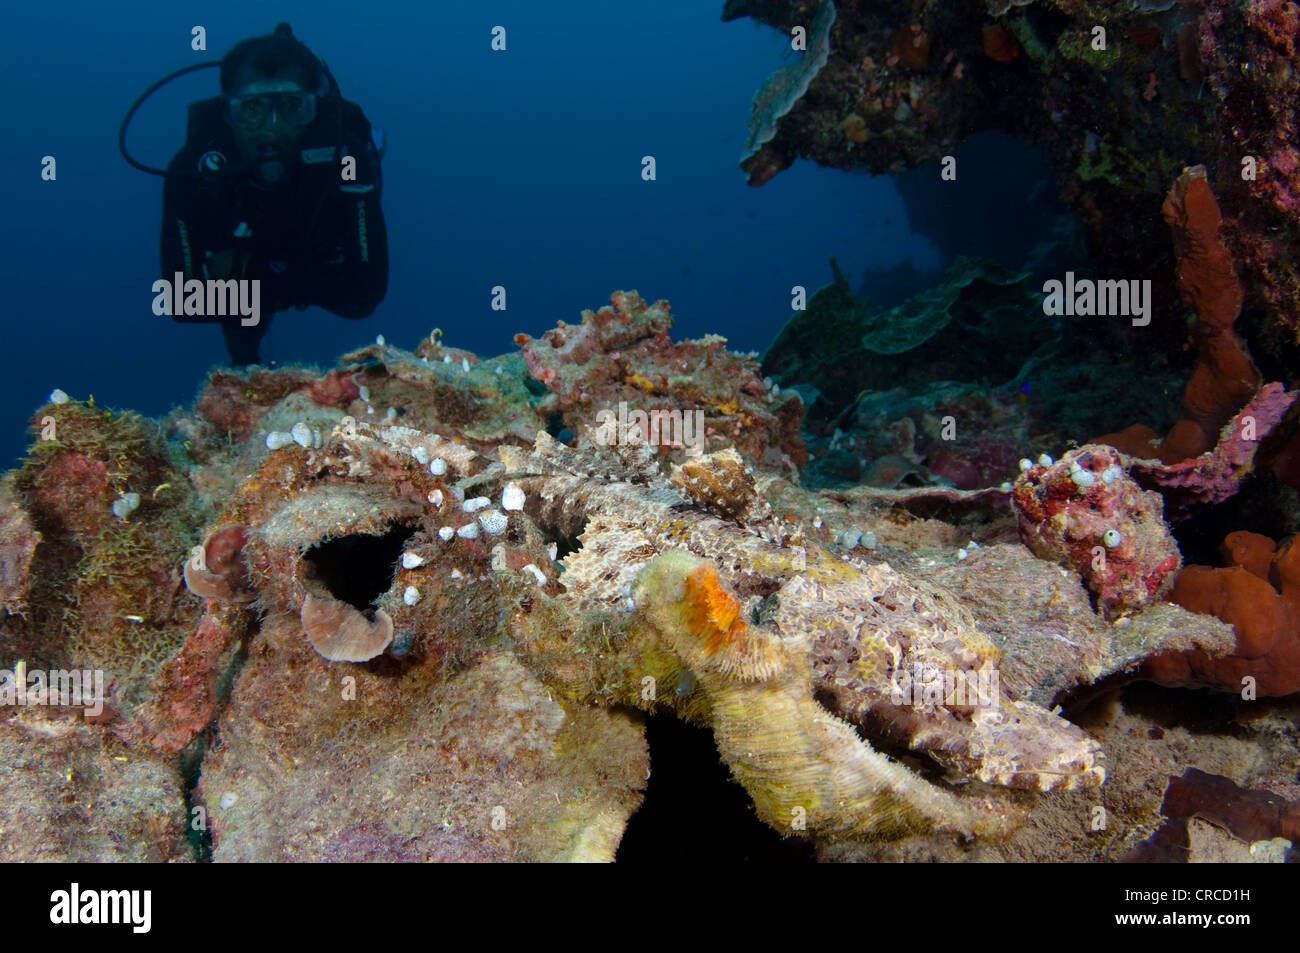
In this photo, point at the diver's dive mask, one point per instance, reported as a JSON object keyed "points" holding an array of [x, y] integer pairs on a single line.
{"points": [[295, 108]]}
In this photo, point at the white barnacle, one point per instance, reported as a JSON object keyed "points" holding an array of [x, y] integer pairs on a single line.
{"points": [[58, 397], [1112, 538], [364, 393], [538, 575], [446, 533], [475, 503], [411, 595], [438, 466], [468, 531], [421, 455], [301, 434], [1083, 478], [493, 522], [435, 497], [277, 439], [412, 560], [464, 364], [1044, 460], [125, 505], [1112, 473], [512, 498]]}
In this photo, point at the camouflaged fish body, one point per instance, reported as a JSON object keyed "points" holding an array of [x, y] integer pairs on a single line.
{"points": [[888, 652]]}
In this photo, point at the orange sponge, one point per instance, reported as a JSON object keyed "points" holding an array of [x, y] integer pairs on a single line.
{"points": [[1259, 596]]}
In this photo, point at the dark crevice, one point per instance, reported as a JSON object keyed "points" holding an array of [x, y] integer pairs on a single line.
{"points": [[1264, 505], [198, 827], [198, 832], [565, 538], [358, 568], [555, 427], [694, 811]]}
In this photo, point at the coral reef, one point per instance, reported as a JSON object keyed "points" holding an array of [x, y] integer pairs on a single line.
{"points": [[782, 90], [398, 619], [956, 331], [1224, 378], [621, 357], [1217, 475], [1124, 95], [104, 581], [72, 793], [17, 546]]}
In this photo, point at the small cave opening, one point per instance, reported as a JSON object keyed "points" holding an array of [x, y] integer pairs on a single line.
{"points": [[556, 427], [565, 537], [693, 810], [565, 545], [358, 568]]}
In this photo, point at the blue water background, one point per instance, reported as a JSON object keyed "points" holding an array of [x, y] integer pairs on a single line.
{"points": [[520, 169]]}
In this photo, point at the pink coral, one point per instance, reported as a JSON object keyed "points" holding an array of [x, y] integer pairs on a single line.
{"points": [[186, 688], [1086, 513], [1215, 476]]}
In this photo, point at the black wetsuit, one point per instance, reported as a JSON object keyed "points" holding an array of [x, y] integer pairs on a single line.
{"points": [[315, 239]]}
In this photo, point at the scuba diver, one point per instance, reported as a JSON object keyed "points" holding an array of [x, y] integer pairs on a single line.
{"points": [[279, 181]]}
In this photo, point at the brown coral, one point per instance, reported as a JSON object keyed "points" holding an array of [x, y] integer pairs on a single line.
{"points": [[216, 570], [341, 633]]}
